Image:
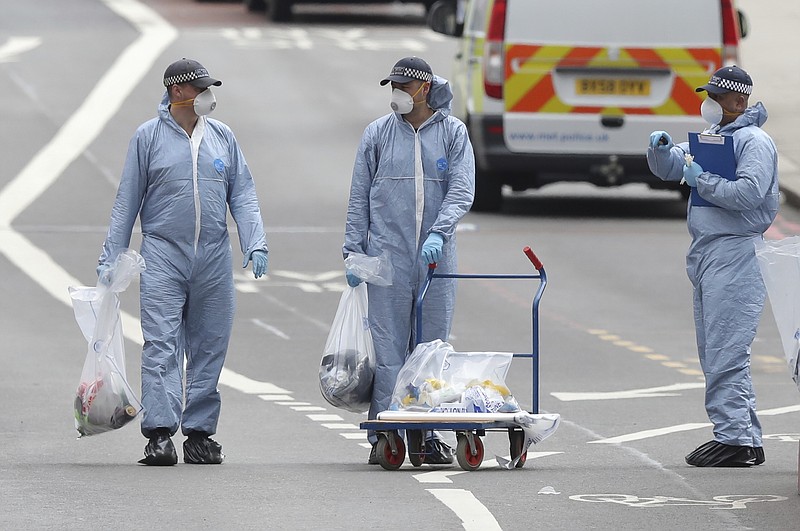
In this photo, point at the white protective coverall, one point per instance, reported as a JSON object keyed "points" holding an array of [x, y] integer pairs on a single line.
{"points": [[181, 188], [405, 185], [721, 264]]}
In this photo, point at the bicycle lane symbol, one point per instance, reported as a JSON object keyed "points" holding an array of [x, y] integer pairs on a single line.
{"points": [[717, 502]]}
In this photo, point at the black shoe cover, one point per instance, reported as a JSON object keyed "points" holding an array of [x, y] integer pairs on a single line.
{"points": [[200, 449], [440, 453], [759, 454], [373, 455], [716, 454], [159, 450]]}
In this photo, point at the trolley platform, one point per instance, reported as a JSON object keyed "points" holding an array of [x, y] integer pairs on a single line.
{"points": [[469, 427]]}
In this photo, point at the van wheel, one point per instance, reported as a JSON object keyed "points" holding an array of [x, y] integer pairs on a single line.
{"points": [[280, 10], [255, 5], [488, 192]]}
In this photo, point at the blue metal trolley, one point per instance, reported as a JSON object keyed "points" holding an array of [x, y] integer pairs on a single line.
{"points": [[391, 449]]}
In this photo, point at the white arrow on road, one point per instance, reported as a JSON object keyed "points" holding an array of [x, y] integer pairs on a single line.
{"points": [[651, 392], [437, 476], [443, 476], [17, 45]]}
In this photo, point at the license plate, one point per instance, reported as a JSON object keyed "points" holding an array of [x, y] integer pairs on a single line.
{"points": [[612, 87]]}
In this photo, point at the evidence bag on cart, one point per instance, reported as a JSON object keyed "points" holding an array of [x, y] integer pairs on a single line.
{"points": [[441, 389]]}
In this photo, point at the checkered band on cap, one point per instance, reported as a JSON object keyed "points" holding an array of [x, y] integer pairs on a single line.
{"points": [[412, 73], [727, 84], [185, 77]]}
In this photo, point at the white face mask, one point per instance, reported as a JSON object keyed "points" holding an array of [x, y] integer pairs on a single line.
{"points": [[205, 102], [401, 102], [711, 111]]}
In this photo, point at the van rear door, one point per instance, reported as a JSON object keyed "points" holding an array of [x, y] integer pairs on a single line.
{"points": [[588, 76]]}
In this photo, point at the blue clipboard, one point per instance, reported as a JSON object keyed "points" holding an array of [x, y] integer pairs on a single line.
{"points": [[715, 154]]}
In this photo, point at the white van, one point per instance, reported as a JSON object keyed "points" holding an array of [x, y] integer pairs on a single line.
{"points": [[570, 90]]}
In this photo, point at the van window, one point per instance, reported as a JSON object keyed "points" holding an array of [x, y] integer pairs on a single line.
{"points": [[641, 23]]}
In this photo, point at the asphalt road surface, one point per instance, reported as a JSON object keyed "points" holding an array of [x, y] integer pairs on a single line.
{"points": [[618, 360]]}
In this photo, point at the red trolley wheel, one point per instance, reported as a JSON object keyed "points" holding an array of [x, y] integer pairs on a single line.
{"points": [[387, 459], [464, 454]]}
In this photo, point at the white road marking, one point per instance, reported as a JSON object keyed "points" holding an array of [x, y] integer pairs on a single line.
{"points": [[357, 436], [15, 46], [74, 137], [646, 434], [340, 426], [291, 403], [651, 392], [269, 398], [246, 287], [252, 387], [324, 418], [473, 514], [778, 411], [308, 408], [70, 141], [102, 103], [443, 476], [437, 476], [783, 437], [305, 277], [302, 39], [269, 328], [735, 501]]}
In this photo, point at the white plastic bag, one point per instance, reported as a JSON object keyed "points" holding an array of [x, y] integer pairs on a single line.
{"points": [[348, 362], [104, 401], [437, 378], [376, 270], [779, 261]]}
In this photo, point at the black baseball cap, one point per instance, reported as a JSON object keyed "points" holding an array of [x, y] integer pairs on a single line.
{"points": [[727, 79], [189, 71], [408, 69]]}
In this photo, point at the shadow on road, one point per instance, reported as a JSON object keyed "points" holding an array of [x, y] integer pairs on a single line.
{"points": [[227, 13], [353, 19], [666, 206]]}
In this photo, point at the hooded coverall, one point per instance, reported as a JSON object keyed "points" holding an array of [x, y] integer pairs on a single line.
{"points": [[181, 188], [407, 184], [721, 264]]}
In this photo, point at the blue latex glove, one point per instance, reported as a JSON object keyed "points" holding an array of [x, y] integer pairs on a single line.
{"points": [[432, 248], [656, 139], [353, 280], [260, 262], [690, 173], [104, 274]]}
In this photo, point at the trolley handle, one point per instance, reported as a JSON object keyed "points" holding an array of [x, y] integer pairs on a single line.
{"points": [[533, 258]]}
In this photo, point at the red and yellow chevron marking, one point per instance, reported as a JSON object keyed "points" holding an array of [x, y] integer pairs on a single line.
{"points": [[529, 70]]}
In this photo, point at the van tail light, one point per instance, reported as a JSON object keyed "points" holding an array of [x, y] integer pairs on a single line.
{"points": [[494, 56], [730, 33]]}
